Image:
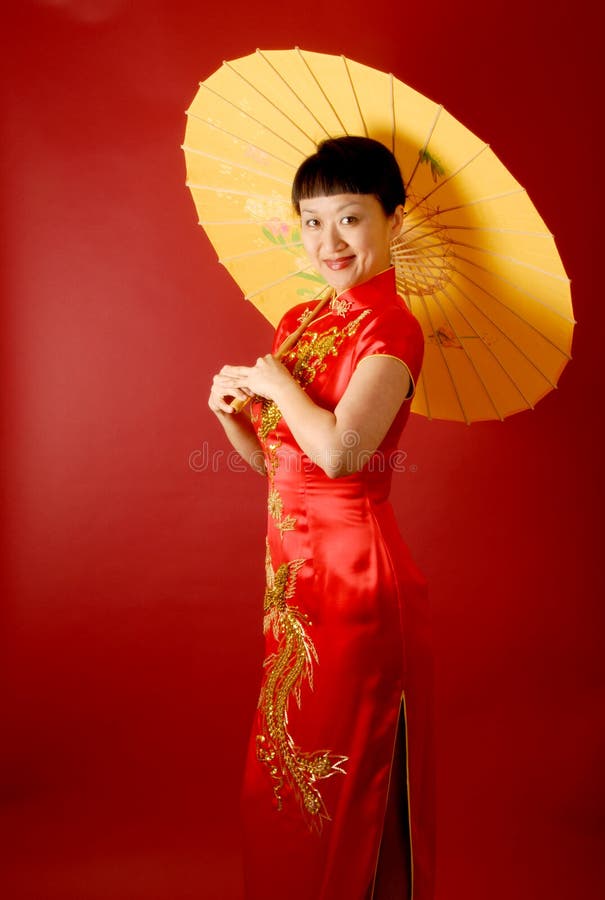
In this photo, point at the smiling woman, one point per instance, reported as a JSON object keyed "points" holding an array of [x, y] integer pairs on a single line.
{"points": [[347, 237], [338, 790], [351, 208]]}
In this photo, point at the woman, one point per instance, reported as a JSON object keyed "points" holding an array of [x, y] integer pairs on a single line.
{"points": [[334, 808]]}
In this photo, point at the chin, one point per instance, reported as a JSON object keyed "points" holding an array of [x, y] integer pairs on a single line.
{"points": [[342, 281]]}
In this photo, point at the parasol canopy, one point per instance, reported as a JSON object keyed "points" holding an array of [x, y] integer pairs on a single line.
{"points": [[474, 260]]}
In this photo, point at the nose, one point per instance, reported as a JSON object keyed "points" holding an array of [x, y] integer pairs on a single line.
{"points": [[333, 239]]}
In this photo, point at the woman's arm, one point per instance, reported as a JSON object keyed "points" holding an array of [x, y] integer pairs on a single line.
{"points": [[342, 441], [238, 428]]}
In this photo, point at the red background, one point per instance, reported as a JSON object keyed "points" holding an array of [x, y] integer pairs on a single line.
{"points": [[133, 580]]}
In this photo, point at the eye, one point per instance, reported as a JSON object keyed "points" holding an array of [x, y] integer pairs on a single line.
{"points": [[311, 223], [349, 220]]}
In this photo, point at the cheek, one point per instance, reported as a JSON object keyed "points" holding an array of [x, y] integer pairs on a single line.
{"points": [[309, 243]]}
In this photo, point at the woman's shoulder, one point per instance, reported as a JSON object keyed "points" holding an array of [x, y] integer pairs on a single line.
{"points": [[392, 330], [395, 318]]}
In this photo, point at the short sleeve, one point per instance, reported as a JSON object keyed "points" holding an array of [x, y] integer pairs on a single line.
{"points": [[395, 333]]}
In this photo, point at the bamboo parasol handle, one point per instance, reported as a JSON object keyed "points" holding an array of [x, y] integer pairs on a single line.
{"points": [[287, 345]]}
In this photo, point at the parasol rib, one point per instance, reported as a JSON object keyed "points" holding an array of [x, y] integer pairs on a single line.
{"points": [[487, 229], [422, 385], [494, 355], [506, 337], [512, 284], [230, 222], [420, 296], [402, 251], [239, 140], [236, 165], [268, 100], [273, 284], [363, 121], [437, 228], [293, 92], [260, 252], [464, 259], [192, 185], [513, 312], [252, 118], [402, 239], [392, 84], [440, 211], [468, 356], [326, 98], [449, 177], [423, 150], [509, 259]]}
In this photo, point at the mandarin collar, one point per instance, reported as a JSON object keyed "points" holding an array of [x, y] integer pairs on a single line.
{"points": [[374, 293]]}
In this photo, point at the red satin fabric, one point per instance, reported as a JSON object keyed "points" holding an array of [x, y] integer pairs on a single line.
{"points": [[347, 635]]}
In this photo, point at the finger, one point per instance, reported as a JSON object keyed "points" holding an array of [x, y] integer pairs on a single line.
{"points": [[235, 371], [218, 405], [223, 404], [224, 383], [228, 393]]}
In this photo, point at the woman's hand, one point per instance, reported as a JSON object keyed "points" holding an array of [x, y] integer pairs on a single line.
{"points": [[265, 379], [225, 387], [239, 429]]}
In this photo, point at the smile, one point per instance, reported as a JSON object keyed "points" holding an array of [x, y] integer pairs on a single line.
{"points": [[340, 263]]}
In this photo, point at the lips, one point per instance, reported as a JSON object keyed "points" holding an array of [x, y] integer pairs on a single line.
{"points": [[341, 263]]}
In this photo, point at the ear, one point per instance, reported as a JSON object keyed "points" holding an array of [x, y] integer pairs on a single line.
{"points": [[396, 221]]}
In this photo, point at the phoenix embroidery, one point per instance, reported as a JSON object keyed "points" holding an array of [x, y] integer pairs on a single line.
{"points": [[287, 671]]}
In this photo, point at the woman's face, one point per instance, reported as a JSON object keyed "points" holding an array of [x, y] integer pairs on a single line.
{"points": [[347, 237]]}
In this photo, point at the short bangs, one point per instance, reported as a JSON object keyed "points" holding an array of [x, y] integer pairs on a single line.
{"points": [[350, 165]]}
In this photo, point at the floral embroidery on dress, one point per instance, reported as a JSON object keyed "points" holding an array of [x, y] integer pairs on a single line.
{"points": [[340, 306], [310, 353], [276, 511], [306, 314]]}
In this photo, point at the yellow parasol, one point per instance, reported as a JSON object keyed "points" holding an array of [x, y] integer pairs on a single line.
{"points": [[474, 260]]}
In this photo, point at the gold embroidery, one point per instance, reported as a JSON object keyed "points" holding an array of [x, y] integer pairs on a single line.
{"points": [[276, 511], [308, 357], [287, 669], [312, 349], [291, 665], [286, 524], [340, 306], [275, 504], [305, 315], [269, 417], [272, 460]]}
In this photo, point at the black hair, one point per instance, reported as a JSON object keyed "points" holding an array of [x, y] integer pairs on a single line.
{"points": [[350, 165]]}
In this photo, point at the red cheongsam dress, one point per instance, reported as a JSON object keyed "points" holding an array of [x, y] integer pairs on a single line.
{"points": [[344, 720]]}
